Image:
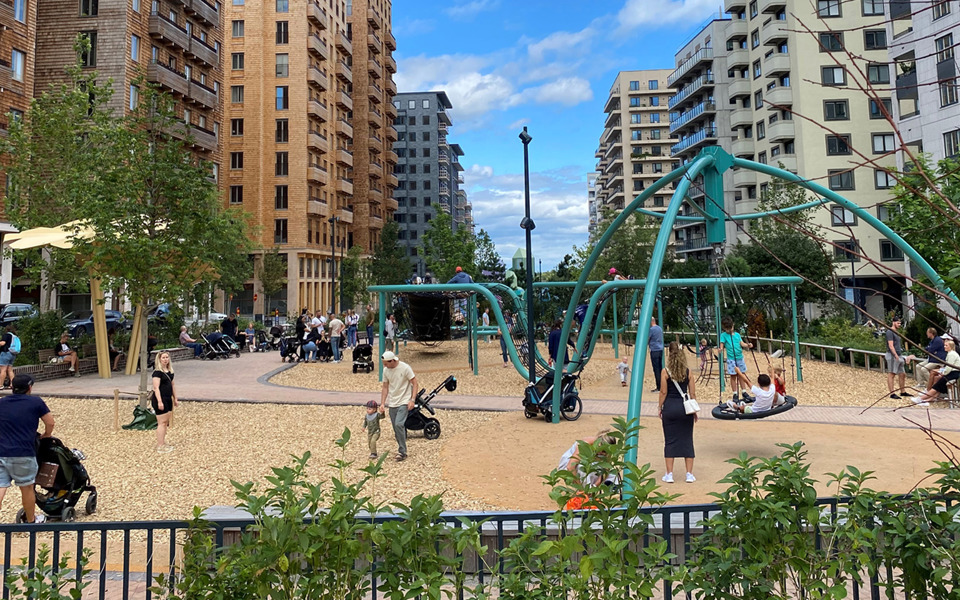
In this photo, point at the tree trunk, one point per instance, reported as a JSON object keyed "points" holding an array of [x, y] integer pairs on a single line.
{"points": [[144, 390]]}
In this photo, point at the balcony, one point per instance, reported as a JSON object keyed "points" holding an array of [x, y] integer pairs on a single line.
{"points": [[344, 101], [375, 68], [708, 134], [776, 64], [391, 204], [204, 53], [343, 44], [317, 175], [375, 195], [703, 55], [374, 19], [460, 179], [375, 119], [391, 111], [693, 245], [345, 186], [345, 215], [374, 43], [197, 137], [391, 157], [207, 13], [781, 130], [744, 178], [7, 81], [695, 112], [771, 6], [162, 28], [316, 141], [785, 161], [390, 64], [375, 143], [317, 16], [344, 72], [390, 41], [740, 87], [392, 181], [318, 47], [391, 131], [732, 6], [704, 80], [443, 159], [158, 73], [318, 111], [737, 29], [344, 157], [375, 222], [738, 57], [317, 78], [316, 207], [203, 95], [774, 31], [391, 87], [375, 93], [779, 96], [344, 129], [742, 117], [742, 147]]}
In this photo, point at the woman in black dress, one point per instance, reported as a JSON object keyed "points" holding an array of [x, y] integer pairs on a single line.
{"points": [[677, 424], [164, 399]]}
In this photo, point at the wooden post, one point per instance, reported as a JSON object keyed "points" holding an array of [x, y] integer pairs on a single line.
{"points": [[133, 352], [100, 329], [116, 410]]}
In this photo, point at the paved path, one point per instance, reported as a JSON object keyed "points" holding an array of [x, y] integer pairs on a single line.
{"points": [[246, 379]]}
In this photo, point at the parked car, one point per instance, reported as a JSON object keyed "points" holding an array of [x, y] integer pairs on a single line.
{"points": [[11, 313], [158, 312], [80, 322]]}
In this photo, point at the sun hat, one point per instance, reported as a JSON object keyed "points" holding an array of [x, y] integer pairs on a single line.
{"points": [[388, 356]]}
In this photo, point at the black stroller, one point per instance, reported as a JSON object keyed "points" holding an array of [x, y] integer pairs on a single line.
{"points": [[418, 421], [276, 334], [363, 358], [538, 398], [260, 342], [289, 348], [213, 348], [61, 482]]}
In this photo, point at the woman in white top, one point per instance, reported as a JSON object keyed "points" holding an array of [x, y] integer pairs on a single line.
{"points": [[949, 372]]}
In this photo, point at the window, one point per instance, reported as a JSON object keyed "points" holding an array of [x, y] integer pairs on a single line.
{"points": [[941, 9], [838, 145], [412, 136], [18, 62], [89, 57], [238, 29], [411, 121], [236, 127], [886, 211], [872, 7], [888, 251], [833, 75], [944, 48], [883, 180], [426, 152], [875, 39], [828, 8], [655, 118], [951, 143], [879, 74], [634, 119], [236, 61], [883, 143], [20, 10], [279, 228], [846, 251], [135, 48], [425, 136], [134, 97], [236, 194], [283, 65], [283, 131], [280, 199], [634, 101], [634, 86], [238, 2], [757, 71], [842, 216], [654, 134], [831, 42], [283, 97], [753, 9], [755, 38], [236, 94], [762, 158], [836, 110], [236, 160], [948, 92], [840, 180], [283, 166], [761, 130], [283, 32], [89, 8], [876, 112], [758, 100], [425, 120], [283, 6], [425, 104], [655, 101], [411, 105]]}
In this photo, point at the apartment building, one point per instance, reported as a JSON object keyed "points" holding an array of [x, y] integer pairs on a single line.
{"points": [[306, 88], [634, 149], [428, 170], [592, 214], [18, 30], [769, 69]]}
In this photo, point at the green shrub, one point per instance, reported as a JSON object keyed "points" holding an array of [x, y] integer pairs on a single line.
{"points": [[928, 316], [41, 332], [840, 331]]}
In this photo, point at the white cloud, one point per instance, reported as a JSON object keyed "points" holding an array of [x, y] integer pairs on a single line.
{"points": [[568, 91], [473, 94], [418, 73], [468, 10], [484, 171], [663, 13], [411, 27], [562, 43], [516, 125]]}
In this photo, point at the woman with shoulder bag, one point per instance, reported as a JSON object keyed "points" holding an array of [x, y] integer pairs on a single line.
{"points": [[676, 386], [164, 399]]}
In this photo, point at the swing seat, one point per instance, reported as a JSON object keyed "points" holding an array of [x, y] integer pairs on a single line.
{"points": [[725, 413]]}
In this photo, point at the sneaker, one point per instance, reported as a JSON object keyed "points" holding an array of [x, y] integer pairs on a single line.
{"points": [[919, 402], [894, 397], [735, 398], [164, 449], [668, 478], [401, 457], [373, 456], [690, 478], [906, 395], [70, 369], [733, 405], [77, 374], [622, 384], [39, 518], [745, 396]]}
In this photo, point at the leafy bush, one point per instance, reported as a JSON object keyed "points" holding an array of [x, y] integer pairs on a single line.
{"points": [[928, 316], [840, 331], [167, 329], [47, 581], [41, 332]]}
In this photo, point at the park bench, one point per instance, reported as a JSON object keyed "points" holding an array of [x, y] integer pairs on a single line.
{"points": [[49, 369]]}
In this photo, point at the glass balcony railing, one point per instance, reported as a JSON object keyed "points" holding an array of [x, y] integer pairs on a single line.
{"points": [[696, 138]]}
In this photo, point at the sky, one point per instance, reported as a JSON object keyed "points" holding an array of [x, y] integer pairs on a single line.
{"points": [[544, 64]]}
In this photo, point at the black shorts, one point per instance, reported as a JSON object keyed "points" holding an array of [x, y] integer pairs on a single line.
{"points": [[167, 406]]}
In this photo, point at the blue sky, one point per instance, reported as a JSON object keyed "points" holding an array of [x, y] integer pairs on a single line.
{"points": [[545, 64]]}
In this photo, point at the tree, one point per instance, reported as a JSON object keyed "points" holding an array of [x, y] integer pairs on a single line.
{"points": [[628, 250], [353, 278], [446, 249], [489, 265], [389, 264], [272, 274], [565, 268]]}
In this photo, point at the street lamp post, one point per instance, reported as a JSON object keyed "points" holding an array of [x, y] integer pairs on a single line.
{"points": [[333, 263], [528, 226]]}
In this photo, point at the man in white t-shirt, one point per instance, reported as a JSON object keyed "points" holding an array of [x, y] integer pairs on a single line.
{"points": [[398, 395]]}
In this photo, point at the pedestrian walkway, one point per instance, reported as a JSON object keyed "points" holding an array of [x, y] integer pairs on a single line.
{"points": [[246, 380]]}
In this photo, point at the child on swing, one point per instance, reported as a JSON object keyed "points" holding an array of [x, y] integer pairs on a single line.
{"points": [[731, 349], [704, 351]]}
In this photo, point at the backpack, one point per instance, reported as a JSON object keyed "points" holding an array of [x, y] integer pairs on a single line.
{"points": [[15, 344]]}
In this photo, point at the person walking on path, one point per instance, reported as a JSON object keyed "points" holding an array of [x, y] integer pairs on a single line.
{"points": [[371, 320], [371, 422], [896, 362], [398, 394], [655, 343], [677, 424], [164, 399], [336, 332], [20, 414], [390, 331]]}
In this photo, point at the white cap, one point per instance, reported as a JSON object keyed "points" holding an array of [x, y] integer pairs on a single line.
{"points": [[388, 356], [947, 336]]}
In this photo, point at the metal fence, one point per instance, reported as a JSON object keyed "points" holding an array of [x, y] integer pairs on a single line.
{"points": [[126, 557]]}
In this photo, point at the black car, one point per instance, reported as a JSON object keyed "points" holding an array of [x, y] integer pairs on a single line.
{"points": [[11, 313], [80, 323]]}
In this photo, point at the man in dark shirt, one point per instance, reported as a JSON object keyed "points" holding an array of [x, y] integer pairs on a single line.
{"points": [[20, 414], [229, 326], [934, 359]]}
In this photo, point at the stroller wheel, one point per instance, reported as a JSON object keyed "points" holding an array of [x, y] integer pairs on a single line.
{"points": [[69, 515], [91, 506], [431, 429], [572, 407], [354, 368], [21, 516]]}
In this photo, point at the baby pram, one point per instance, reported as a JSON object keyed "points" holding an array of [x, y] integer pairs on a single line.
{"points": [[538, 398], [417, 420], [61, 482], [289, 349], [213, 347], [363, 358], [273, 342]]}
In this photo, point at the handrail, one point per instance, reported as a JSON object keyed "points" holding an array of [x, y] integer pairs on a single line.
{"points": [[689, 89], [702, 54]]}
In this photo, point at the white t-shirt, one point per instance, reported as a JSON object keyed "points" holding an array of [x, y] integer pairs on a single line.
{"points": [[388, 329], [623, 367], [486, 320], [400, 384], [336, 328], [765, 398], [315, 321]]}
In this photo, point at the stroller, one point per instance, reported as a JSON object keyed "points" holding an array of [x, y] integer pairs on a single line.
{"points": [[417, 420], [289, 349], [273, 342], [363, 358], [538, 398], [260, 342], [66, 480], [213, 348]]}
